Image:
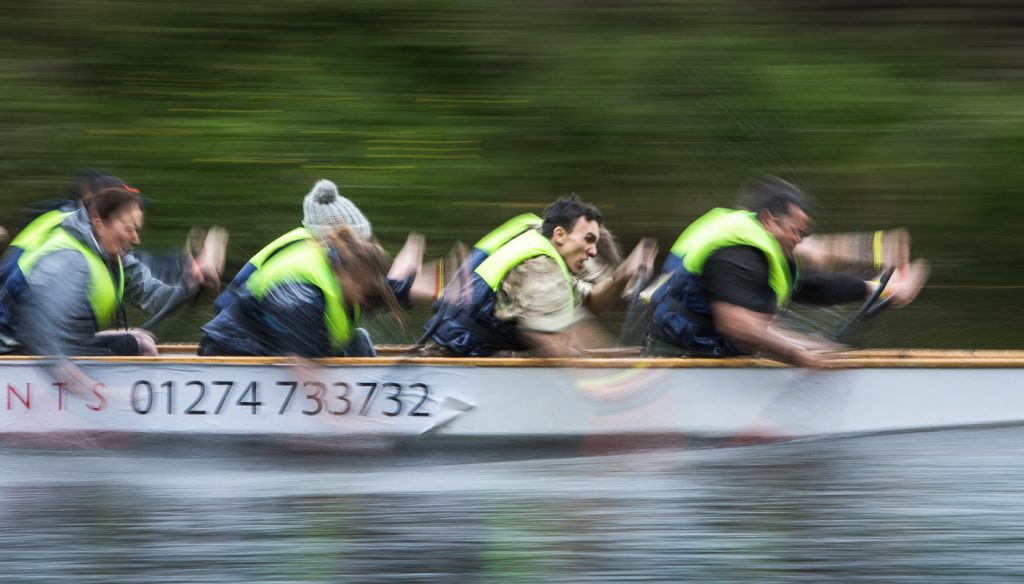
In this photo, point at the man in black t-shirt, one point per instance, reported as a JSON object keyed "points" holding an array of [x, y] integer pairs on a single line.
{"points": [[737, 271]]}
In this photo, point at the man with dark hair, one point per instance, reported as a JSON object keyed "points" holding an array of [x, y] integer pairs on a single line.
{"points": [[566, 212], [772, 193], [732, 270], [523, 295]]}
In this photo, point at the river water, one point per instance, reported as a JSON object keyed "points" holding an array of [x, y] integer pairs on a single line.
{"points": [[922, 507]]}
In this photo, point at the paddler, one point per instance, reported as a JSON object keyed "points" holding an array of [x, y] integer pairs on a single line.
{"points": [[523, 292], [76, 277], [43, 218], [305, 300], [736, 270], [324, 209]]}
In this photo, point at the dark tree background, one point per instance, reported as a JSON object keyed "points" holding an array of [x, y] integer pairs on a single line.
{"points": [[447, 116]]}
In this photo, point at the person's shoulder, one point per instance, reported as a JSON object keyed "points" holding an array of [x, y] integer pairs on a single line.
{"points": [[737, 256], [536, 271], [66, 268], [739, 275], [56, 258], [40, 208], [296, 293], [541, 264]]}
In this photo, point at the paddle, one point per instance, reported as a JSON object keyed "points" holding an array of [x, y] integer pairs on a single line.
{"points": [[634, 319], [871, 307]]}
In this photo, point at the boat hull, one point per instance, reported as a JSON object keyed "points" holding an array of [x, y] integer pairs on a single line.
{"points": [[510, 398]]}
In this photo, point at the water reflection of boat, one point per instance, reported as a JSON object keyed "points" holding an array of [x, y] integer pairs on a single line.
{"points": [[617, 394]]}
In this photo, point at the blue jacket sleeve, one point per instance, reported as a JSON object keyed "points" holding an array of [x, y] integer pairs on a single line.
{"points": [[401, 290], [148, 292]]}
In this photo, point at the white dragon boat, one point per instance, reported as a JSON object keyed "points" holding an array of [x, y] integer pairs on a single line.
{"points": [[617, 394]]}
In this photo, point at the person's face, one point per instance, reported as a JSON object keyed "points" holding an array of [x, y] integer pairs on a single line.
{"points": [[790, 229], [578, 245], [120, 232]]}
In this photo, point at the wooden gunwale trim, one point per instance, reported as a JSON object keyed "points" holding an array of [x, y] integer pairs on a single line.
{"points": [[930, 359], [885, 353]]}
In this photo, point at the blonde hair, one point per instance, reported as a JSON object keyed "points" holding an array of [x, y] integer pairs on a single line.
{"points": [[367, 260]]}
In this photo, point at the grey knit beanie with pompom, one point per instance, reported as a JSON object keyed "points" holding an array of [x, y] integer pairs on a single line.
{"points": [[324, 209]]}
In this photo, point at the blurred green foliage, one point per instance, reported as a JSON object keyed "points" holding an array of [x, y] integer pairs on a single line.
{"points": [[447, 116]]}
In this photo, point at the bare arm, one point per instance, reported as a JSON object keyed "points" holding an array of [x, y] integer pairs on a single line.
{"points": [[550, 344], [407, 268], [573, 342], [752, 332], [605, 293], [210, 261], [844, 251]]}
